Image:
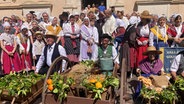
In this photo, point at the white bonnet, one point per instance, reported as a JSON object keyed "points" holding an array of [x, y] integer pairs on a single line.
{"points": [[133, 20], [176, 15], [23, 27], [162, 15], [86, 18], [6, 24]]}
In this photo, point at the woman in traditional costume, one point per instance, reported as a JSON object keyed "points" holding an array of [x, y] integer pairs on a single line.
{"points": [[129, 45], [55, 28], [158, 36], [151, 64], [143, 31], [24, 43], [176, 32], [10, 59], [88, 50], [71, 31]]}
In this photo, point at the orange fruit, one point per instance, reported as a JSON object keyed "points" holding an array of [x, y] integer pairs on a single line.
{"points": [[50, 87], [49, 81], [92, 80], [98, 85]]}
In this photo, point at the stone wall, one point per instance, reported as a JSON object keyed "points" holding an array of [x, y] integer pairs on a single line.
{"points": [[56, 7]]}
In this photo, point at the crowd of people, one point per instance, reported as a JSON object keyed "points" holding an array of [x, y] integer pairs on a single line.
{"points": [[94, 34]]}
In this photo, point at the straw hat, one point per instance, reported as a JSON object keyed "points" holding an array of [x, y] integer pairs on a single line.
{"points": [[145, 14], [152, 50], [38, 33], [50, 34]]}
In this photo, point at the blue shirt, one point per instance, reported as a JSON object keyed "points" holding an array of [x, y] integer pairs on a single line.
{"points": [[101, 8]]}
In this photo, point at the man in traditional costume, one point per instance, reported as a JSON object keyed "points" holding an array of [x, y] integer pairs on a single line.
{"points": [[49, 53], [177, 66], [110, 23], [107, 55]]}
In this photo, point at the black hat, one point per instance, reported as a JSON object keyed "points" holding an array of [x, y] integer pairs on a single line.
{"points": [[64, 14], [106, 36], [32, 12]]}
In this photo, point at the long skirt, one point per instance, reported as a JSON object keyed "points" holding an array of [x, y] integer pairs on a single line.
{"points": [[133, 56], [140, 50], [26, 61], [71, 50], [10, 63], [84, 55]]}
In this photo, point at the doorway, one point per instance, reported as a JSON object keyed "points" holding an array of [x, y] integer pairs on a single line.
{"points": [[90, 2]]}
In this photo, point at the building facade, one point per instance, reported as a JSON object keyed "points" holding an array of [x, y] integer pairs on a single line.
{"points": [[56, 7]]}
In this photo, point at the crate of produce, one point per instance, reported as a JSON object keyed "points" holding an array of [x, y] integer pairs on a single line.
{"points": [[21, 88], [78, 84], [157, 92]]}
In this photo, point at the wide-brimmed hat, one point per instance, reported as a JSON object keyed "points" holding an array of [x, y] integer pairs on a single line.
{"points": [[106, 36], [50, 34], [145, 14], [38, 33], [152, 50]]}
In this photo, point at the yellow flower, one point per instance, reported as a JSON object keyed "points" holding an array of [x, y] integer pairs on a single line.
{"points": [[98, 85], [92, 80]]}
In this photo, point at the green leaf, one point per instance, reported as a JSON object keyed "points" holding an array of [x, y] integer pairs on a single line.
{"points": [[55, 91]]}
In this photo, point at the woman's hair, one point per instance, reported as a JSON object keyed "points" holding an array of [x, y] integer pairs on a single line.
{"points": [[148, 20], [177, 17], [72, 16]]}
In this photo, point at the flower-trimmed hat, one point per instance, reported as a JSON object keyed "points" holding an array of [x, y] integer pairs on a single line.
{"points": [[152, 50], [145, 14]]}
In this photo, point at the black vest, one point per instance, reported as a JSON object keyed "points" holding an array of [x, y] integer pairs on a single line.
{"points": [[54, 55]]}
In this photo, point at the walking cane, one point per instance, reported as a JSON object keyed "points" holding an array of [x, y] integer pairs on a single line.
{"points": [[34, 63]]}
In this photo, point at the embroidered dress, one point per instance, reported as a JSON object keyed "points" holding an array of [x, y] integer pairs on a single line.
{"points": [[72, 46], [9, 63], [26, 62]]}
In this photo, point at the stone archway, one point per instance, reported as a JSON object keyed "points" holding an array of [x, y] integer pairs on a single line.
{"points": [[84, 3]]}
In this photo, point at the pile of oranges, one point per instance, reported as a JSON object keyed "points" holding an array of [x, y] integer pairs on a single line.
{"points": [[50, 85], [97, 80]]}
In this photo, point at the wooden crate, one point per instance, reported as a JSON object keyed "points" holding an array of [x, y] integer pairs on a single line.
{"points": [[35, 91], [51, 98]]}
